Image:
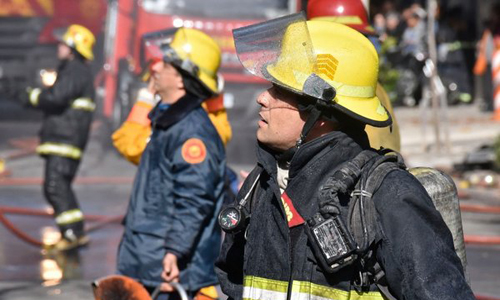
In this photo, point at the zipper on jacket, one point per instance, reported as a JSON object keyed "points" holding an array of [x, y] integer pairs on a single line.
{"points": [[290, 257]]}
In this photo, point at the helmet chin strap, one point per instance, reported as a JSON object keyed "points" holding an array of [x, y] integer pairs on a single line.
{"points": [[313, 117]]}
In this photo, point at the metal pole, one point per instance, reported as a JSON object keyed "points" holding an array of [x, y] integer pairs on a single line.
{"points": [[431, 42]]}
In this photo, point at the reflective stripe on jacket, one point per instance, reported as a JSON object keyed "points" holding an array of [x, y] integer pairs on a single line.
{"points": [[256, 288]]}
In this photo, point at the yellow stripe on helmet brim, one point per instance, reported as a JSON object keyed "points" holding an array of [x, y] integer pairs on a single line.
{"points": [[368, 110], [359, 102]]}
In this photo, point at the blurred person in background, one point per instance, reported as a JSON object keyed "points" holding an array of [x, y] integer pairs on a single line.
{"points": [[171, 232], [393, 25], [353, 14], [452, 65], [68, 106], [413, 38], [488, 45]]}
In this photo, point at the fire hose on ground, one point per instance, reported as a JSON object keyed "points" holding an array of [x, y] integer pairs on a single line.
{"points": [[100, 221], [480, 239]]}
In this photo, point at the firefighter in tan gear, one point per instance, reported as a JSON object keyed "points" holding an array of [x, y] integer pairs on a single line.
{"points": [[288, 236], [68, 106], [353, 14]]}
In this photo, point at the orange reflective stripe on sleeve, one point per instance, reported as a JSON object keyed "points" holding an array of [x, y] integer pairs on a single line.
{"points": [[139, 114]]}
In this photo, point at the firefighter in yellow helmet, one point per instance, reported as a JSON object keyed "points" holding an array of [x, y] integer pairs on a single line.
{"points": [[171, 233], [304, 226], [68, 106], [353, 14], [131, 138]]}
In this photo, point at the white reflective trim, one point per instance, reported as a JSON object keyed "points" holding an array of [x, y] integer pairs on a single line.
{"points": [[70, 216], [253, 293], [84, 104], [34, 96]]}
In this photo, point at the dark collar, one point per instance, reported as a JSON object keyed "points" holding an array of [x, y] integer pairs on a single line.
{"points": [[344, 146], [174, 113]]}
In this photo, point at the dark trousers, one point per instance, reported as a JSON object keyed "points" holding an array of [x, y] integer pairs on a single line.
{"points": [[59, 174]]}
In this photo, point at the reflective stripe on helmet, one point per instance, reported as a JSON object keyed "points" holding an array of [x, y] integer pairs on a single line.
{"points": [[70, 216], [83, 104], [34, 96], [342, 19], [60, 150], [269, 289]]}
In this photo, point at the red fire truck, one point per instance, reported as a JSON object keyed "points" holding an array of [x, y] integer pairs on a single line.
{"points": [[26, 42]]}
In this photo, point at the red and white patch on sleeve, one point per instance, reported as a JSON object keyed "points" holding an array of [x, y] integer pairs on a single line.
{"points": [[194, 151]]}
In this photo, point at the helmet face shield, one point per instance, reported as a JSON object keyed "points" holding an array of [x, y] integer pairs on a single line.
{"points": [[155, 42], [323, 60], [281, 51], [58, 33]]}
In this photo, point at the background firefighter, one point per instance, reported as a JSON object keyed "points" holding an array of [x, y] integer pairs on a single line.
{"points": [[353, 14], [68, 107], [171, 233]]}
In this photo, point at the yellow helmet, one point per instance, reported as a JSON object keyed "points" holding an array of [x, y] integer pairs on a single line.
{"points": [[79, 38], [324, 60], [196, 53]]}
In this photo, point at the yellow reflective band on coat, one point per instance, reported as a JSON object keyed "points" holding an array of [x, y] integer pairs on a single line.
{"points": [[302, 290], [70, 216], [60, 150], [34, 96], [83, 104], [256, 288]]}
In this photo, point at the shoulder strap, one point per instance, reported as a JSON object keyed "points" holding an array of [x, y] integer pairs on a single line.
{"points": [[363, 222]]}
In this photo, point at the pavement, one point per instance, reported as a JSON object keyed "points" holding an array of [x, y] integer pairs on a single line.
{"points": [[104, 183]]}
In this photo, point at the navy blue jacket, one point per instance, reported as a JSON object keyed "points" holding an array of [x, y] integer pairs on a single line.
{"points": [[177, 194]]}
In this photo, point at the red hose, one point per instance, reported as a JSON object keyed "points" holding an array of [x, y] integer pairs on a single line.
{"points": [[78, 180], [20, 234], [480, 208], [482, 239], [43, 213], [482, 297], [101, 221]]}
